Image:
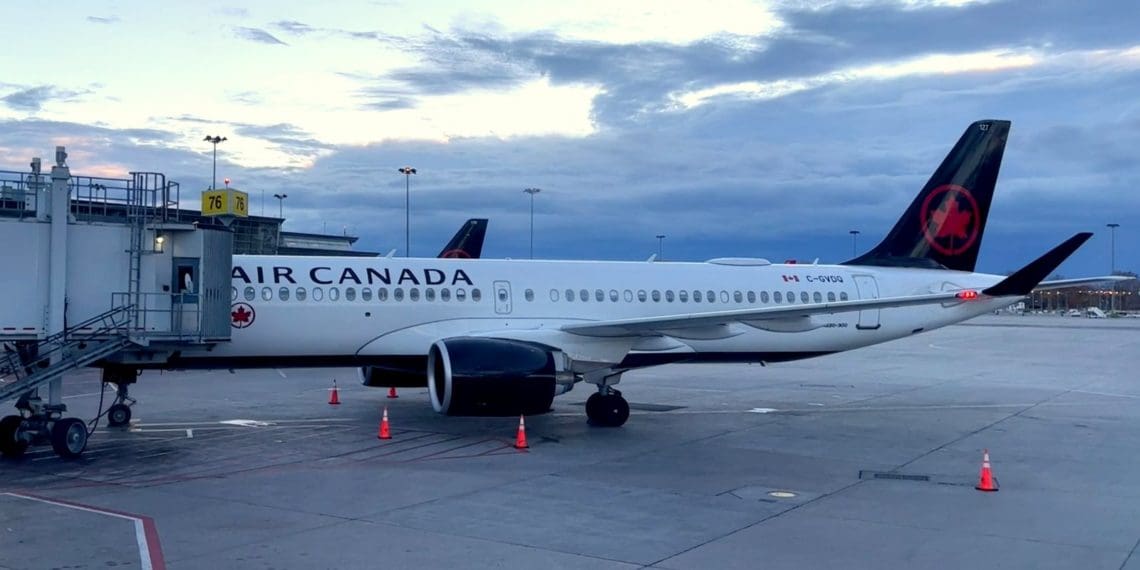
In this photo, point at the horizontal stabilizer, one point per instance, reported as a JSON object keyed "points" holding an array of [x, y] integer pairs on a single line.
{"points": [[1025, 279], [1066, 283]]}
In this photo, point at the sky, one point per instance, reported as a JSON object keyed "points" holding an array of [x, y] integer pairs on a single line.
{"points": [[759, 129]]}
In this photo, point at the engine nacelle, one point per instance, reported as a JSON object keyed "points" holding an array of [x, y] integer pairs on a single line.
{"points": [[491, 377]]}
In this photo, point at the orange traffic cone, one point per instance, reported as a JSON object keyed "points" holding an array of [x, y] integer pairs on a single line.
{"points": [[392, 392], [384, 433], [334, 398], [987, 482], [520, 438]]}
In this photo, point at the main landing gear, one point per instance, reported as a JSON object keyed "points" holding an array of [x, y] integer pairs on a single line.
{"points": [[607, 408]]}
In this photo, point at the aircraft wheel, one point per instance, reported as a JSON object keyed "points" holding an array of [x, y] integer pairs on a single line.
{"points": [[118, 415], [9, 445], [69, 437], [608, 410]]}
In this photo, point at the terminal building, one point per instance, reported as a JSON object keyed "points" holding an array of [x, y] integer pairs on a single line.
{"points": [[113, 271]]}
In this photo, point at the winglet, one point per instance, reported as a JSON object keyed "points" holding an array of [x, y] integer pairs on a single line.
{"points": [[1025, 279]]}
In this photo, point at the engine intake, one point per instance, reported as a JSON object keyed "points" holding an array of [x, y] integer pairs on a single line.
{"points": [[490, 377]]}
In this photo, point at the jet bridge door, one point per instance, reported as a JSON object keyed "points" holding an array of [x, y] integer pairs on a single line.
{"points": [[868, 289], [502, 297]]}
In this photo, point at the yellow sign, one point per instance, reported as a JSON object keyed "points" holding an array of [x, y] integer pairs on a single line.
{"points": [[225, 202]]}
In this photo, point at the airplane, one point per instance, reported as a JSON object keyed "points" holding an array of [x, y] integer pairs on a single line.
{"points": [[504, 337]]}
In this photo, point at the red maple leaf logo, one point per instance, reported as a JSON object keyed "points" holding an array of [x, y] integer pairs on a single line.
{"points": [[950, 221], [240, 316]]}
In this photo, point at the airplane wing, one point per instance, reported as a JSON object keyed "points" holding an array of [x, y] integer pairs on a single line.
{"points": [[655, 325], [1064, 283]]}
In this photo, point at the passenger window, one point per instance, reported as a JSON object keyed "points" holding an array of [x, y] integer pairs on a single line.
{"points": [[696, 296], [413, 293], [429, 294], [843, 295], [233, 294], [461, 294], [249, 293], [569, 294], [599, 295], [584, 295], [711, 296], [669, 296], [683, 295], [350, 293], [817, 297], [529, 294], [738, 296], [318, 294], [382, 294], [366, 294], [334, 294], [724, 296], [764, 297], [476, 295], [803, 297], [641, 296], [398, 294], [283, 293], [266, 294], [778, 297], [300, 293], [554, 294], [613, 295], [656, 295], [831, 296], [628, 296], [445, 294], [751, 296], [791, 297]]}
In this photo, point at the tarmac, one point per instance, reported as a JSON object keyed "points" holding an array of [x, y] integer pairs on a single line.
{"points": [[866, 459]]}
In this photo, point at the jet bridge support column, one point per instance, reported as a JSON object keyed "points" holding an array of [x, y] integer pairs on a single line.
{"points": [[60, 201]]}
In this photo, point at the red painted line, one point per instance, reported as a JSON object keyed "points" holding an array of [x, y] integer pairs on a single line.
{"points": [[150, 550]]}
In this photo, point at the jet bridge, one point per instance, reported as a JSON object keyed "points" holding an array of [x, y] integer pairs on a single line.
{"points": [[98, 272]]}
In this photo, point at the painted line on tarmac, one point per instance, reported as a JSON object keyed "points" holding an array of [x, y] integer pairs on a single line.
{"points": [[146, 534]]}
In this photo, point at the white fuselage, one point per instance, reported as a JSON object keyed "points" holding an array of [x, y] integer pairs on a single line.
{"points": [[334, 311]]}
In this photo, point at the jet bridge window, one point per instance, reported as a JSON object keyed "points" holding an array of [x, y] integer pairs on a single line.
{"points": [[250, 293], [301, 293], [382, 294], [831, 296], [445, 294], [266, 294], [429, 294], [350, 293], [398, 294], [318, 294], [529, 294], [283, 293], [476, 295], [817, 297], [366, 294], [683, 295]]}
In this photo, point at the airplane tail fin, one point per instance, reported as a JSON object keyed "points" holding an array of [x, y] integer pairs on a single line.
{"points": [[468, 241], [943, 227]]}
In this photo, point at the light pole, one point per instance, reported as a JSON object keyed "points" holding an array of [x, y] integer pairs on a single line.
{"points": [[532, 192], [407, 171], [659, 238], [281, 205], [215, 140], [1112, 262], [854, 237]]}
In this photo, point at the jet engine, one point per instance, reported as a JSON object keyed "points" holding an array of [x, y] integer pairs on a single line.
{"points": [[492, 377]]}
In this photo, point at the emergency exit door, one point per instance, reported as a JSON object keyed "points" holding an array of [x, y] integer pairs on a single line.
{"points": [[502, 297]]}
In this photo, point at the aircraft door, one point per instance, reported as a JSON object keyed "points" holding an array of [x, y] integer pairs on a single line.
{"points": [[502, 297], [868, 289]]}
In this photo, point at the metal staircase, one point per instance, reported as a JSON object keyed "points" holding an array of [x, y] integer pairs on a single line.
{"points": [[27, 366]]}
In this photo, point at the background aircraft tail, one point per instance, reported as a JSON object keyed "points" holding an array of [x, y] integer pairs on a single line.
{"points": [[468, 241], [943, 227]]}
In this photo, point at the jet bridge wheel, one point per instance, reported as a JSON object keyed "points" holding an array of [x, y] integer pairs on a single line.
{"points": [[69, 437], [9, 445], [118, 415], [607, 410]]}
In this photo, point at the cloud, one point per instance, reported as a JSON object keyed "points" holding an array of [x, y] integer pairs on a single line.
{"points": [[34, 98], [293, 27], [103, 20], [258, 35]]}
